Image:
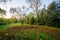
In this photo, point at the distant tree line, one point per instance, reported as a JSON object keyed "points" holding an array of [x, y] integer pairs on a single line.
{"points": [[49, 16], [5, 21]]}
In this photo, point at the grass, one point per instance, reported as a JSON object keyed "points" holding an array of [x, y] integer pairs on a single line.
{"points": [[3, 27], [15, 32], [30, 34]]}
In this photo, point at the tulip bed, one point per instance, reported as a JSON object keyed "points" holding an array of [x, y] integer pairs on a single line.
{"points": [[30, 33]]}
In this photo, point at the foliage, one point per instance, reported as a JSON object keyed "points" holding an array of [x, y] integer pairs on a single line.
{"points": [[52, 18], [35, 4], [12, 10], [32, 20], [4, 21], [42, 17], [2, 11], [27, 19]]}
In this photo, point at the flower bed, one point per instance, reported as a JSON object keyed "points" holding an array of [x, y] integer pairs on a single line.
{"points": [[30, 33]]}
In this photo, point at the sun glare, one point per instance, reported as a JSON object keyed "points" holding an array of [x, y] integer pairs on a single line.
{"points": [[8, 16]]}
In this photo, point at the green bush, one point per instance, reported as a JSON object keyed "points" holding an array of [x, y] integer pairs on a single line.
{"points": [[27, 20], [2, 21], [32, 20], [41, 21], [7, 21], [55, 22]]}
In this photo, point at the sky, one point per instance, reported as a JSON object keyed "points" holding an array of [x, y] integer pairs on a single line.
{"points": [[20, 3]]}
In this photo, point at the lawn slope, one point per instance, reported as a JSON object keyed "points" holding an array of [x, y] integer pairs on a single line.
{"points": [[30, 33]]}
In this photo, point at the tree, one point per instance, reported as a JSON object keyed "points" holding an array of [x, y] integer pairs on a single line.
{"points": [[58, 12], [52, 15], [20, 11], [12, 10], [32, 20], [58, 8], [42, 16], [29, 18], [2, 11], [35, 4]]}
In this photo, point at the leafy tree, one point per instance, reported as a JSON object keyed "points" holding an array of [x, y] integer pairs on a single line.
{"points": [[58, 8], [2, 21], [42, 16], [20, 12], [29, 17], [32, 20], [12, 11], [31, 14], [2, 11], [58, 13], [52, 15], [35, 4]]}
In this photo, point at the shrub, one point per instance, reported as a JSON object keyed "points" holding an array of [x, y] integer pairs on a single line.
{"points": [[32, 20], [7, 21], [2, 21]]}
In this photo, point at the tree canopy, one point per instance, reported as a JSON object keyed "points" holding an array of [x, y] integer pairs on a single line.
{"points": [[2, 11], [35, 4]]}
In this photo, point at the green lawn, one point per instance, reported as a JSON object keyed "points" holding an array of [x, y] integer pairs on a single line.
{"points": [[39, 33], [3, 27], [42, 33]]}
